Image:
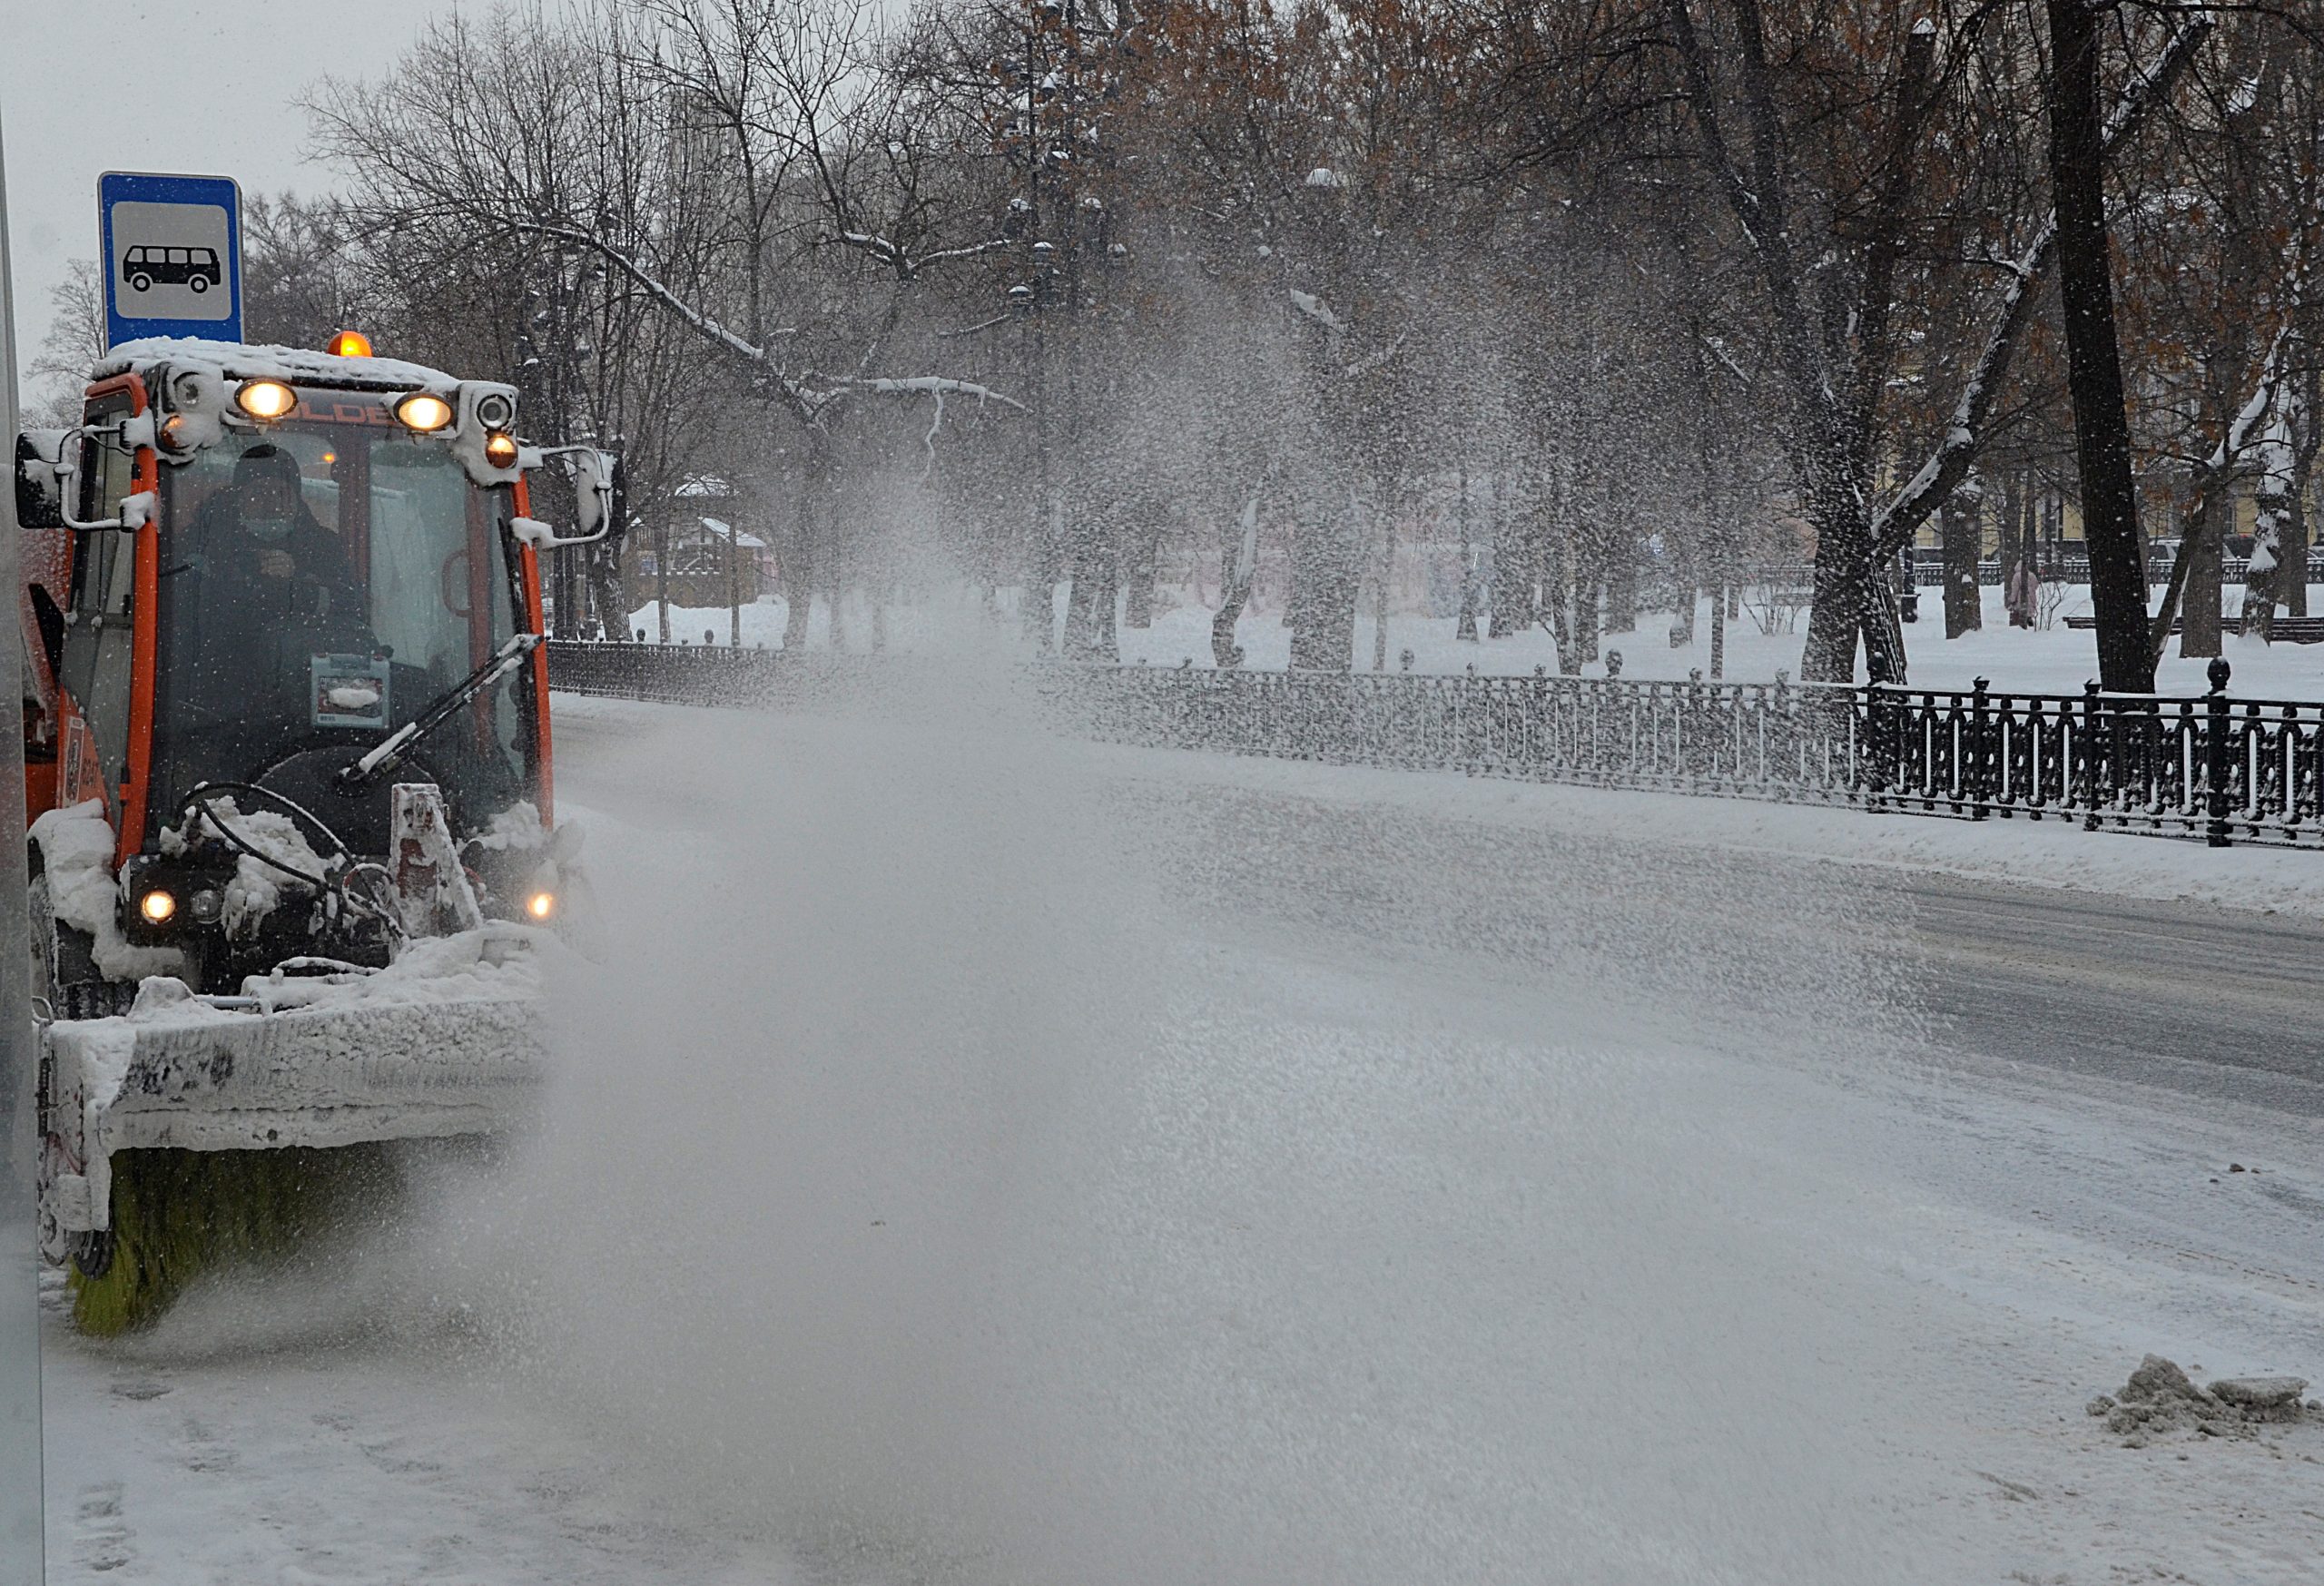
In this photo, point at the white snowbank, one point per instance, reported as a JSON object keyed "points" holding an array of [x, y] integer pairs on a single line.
{"points": [[2053, 854]]}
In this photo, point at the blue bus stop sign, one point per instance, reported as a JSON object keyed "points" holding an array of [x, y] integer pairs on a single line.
{"points": [[173, 256]]}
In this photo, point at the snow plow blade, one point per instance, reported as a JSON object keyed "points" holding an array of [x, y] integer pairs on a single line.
{"points": [[197, 1078], [194, 1131]]}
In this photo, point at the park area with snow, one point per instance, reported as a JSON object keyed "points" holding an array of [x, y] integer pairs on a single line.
{"points": [[1024, 1160], [1758, 645]]}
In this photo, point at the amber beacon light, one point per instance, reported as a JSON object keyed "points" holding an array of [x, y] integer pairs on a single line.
{"points": [[351, 344]]}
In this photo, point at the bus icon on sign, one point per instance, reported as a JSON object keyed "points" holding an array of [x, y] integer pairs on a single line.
{"points": [[145, 268]]}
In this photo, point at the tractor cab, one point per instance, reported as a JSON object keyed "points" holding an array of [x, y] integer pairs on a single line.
{"points": [[275, 593]]}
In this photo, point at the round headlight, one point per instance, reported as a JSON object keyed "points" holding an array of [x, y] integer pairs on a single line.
{"points": [[494, 410], [157, 906], [265, 398], [541, 905], [500, 450], [424, 412]]}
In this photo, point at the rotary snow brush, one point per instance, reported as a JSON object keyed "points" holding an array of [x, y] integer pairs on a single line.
{"points": [[198, 1130]]}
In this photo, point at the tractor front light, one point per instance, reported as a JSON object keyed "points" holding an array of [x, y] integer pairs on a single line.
{"points": [[500, 450], [541, 906], [157, 906], [424, 412], [266, 398]]}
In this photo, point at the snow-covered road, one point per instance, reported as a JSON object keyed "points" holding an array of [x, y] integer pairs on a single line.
{"points": [[997, 1160]]}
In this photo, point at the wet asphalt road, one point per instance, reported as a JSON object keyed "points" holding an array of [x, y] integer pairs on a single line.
{"points": [[2210, 1001]]}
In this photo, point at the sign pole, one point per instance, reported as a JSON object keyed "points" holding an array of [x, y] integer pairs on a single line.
{"points": [[21, 1561]]}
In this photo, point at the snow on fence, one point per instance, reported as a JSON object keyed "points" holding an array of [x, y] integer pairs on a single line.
{"points": [[2223, 769]]}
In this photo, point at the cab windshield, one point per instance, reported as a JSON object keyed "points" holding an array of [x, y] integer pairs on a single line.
{"points": [[324, 582]]}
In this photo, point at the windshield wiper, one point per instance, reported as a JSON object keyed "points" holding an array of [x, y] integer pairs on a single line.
{"points": [[390, 750]]}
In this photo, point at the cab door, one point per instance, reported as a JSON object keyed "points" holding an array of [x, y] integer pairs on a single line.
{"points": [[100, 639]]}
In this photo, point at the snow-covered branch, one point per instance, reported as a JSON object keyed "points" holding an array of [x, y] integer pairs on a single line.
{"points": [[807, 404], [979, 328], [907, 264], [932, 385], [809, 401]]}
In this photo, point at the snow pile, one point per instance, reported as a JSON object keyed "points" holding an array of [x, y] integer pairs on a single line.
{"points": [[2160, 1399], [76, 847], [499, 962], [518, 827], [166, 999], [239, 361]]}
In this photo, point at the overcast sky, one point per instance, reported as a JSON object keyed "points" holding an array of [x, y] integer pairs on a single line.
{"points": [[202, 87]]}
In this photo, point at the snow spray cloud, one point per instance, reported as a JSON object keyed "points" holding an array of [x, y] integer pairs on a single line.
{"points": [[955, 1175]]}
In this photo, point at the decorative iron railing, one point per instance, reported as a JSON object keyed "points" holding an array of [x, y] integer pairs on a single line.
{"points": [[2222, 769]]}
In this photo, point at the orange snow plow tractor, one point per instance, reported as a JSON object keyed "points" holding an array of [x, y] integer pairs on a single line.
{"points": [[292, 853]]}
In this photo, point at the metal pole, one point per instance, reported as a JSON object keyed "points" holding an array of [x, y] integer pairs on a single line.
{"points": [[21, 1561]]}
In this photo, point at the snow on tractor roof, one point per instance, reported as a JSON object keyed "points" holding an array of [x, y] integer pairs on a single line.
{"points": [[291, 365]]}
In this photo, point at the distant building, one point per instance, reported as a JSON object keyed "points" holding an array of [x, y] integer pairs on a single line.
{"points": [[712, 562]]}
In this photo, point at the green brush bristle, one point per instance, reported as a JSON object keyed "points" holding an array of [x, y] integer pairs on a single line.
{"points": [[177, 1214]]}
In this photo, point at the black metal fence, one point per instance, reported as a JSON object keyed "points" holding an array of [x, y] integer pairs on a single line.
{"points": [[2055, 564], [2222, 769]]}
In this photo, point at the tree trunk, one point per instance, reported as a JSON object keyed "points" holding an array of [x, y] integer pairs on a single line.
{"points": [[1852, 601], [2306, 427], [2291, 583], [799, 565], [1588, 579], [1465, 627], [2093, 358], [1719, 634], [1516, 563], [2203, 549], [1138, 606], [2274, 520], [1090, 620], [662, 574], [1326, 566], [604, 564], [1382, 584], [1238, 559], [1620, 566], [1961, 537]]}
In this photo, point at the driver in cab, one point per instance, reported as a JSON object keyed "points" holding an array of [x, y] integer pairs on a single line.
{"points": [[257, 535]]}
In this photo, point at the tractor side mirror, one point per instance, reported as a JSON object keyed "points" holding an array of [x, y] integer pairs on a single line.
{"points": [[593, 493], [40, 492], [592, 496]]}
